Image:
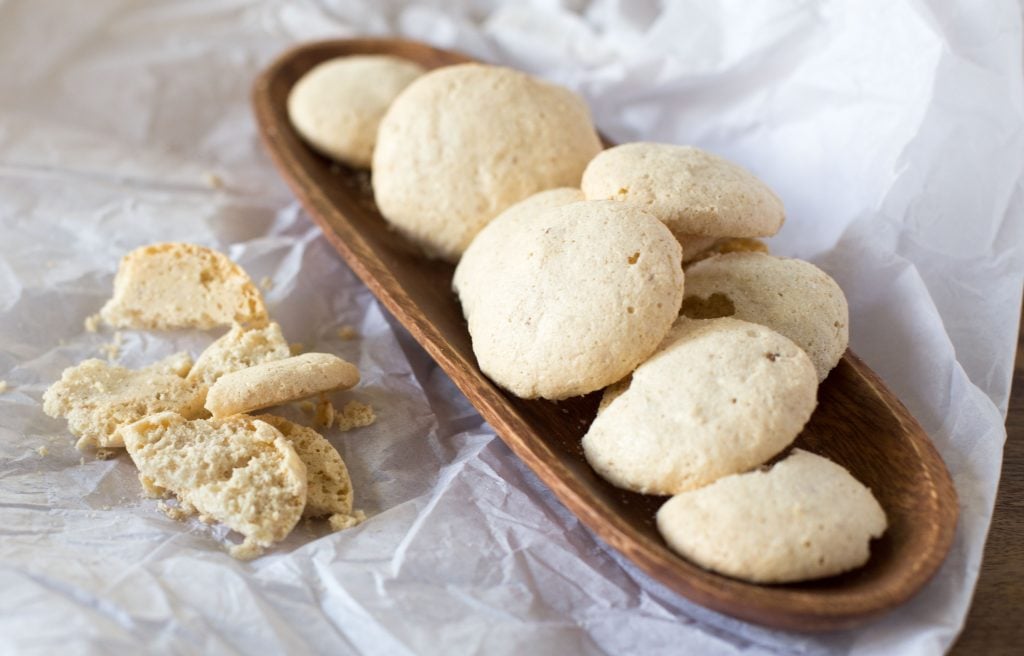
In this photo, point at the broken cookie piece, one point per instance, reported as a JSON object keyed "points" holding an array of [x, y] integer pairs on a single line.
{"points": [[272, 383], [98, 398], [324, 413], [238, 349], [239, 471], [177, 285], [355, 415], [329, 488]]}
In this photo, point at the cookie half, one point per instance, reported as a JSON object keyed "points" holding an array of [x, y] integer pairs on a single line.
{"points": [[693, 191], [98, 398], [279, 381], [462, 143], [572, 299], [239, 471], [790, 296], [337, 106], [805, 518], [329, 488], [178, 285], [717, 398]]}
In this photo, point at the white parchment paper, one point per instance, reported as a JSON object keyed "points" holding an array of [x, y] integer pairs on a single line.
{"points": [[894, 132]]}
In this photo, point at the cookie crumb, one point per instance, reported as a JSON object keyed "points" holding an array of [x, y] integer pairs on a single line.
{"points": [[172, 512], [84, 443], [246, 551], [307, 407], [340, 522], [177, 513], [348, 332], [106, 454], [213, 181], [266, 284], [113, 348], [325, 413], [3, 386], [355, 415], [296, 348], [81, 461], [92, 322], [43, 451]]}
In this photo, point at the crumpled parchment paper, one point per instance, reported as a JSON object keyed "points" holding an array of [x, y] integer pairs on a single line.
{"points": [[893, 132]]}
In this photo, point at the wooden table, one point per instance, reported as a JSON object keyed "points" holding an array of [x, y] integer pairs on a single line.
{"points": [[994, 623]]}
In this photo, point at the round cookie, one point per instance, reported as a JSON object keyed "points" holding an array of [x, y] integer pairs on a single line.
{"points": [[717, 398], [805, 518], [693, 191], [336, 107], [498, 231], [279, 381], [573, 298], [462, 143], [790, 296]]}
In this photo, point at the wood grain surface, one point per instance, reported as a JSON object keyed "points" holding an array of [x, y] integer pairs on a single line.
{"points": [[994, 624], [858, 423]]}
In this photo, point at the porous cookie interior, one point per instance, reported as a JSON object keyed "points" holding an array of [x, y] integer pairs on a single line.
{"points": [[179, 285], [240, 471]]}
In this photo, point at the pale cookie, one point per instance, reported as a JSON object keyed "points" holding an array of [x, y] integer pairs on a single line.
{"points": [[279, 381], [337, 106], [98, 398], [239, 348], [177, 285], [572, 300], [789, 296], [329, 488], [805, 518], [500, 230], [239, 471], [717, 398], [462, 143], [693, 191]]}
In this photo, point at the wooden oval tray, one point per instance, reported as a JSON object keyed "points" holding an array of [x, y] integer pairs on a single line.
{"points": [[858, 422]]}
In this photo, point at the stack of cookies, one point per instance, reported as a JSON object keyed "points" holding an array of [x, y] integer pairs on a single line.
{"points": [[189, 427], [637, 270]]}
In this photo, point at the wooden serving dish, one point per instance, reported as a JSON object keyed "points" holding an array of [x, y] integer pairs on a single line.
{"points": [[858, 422]]}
